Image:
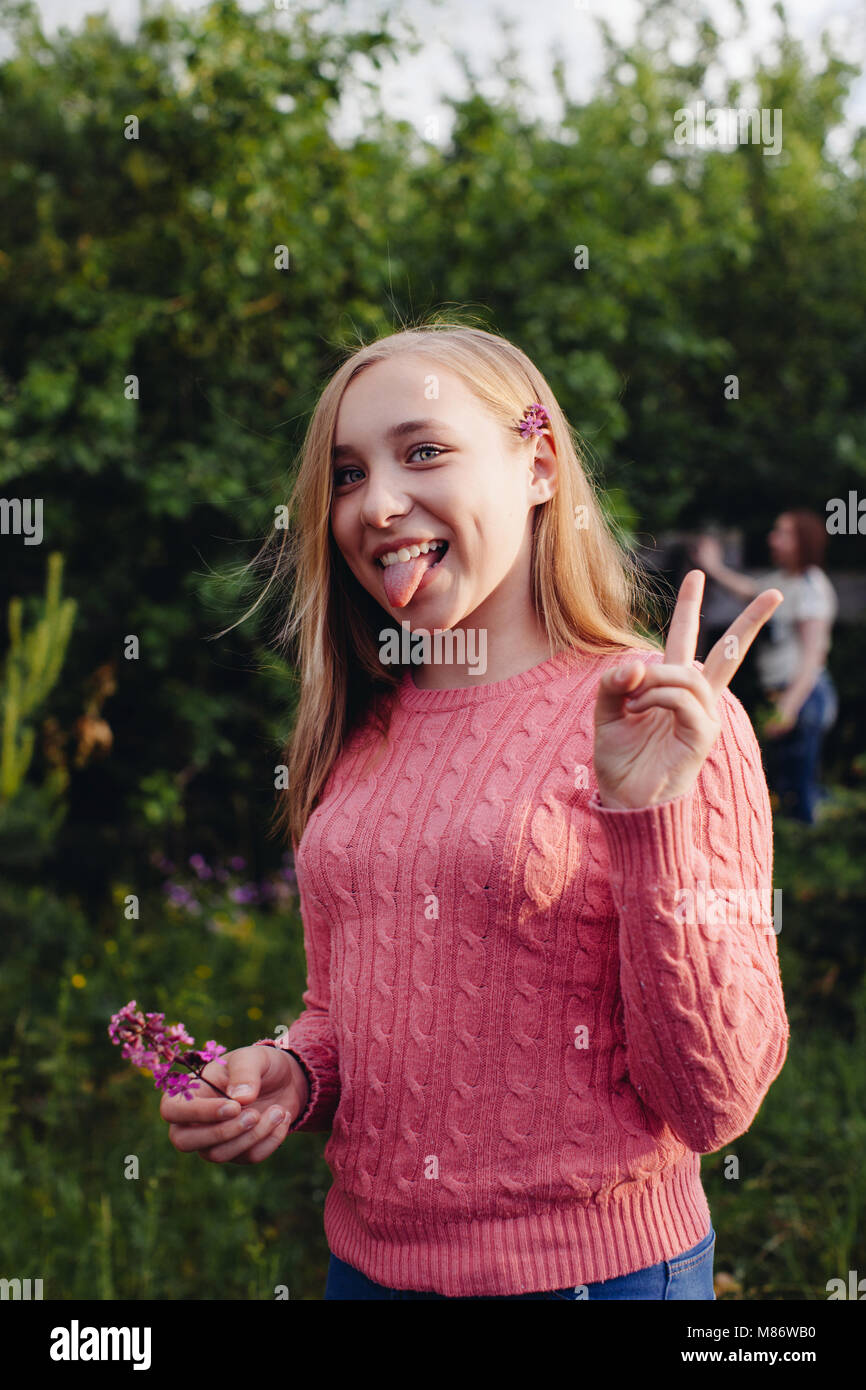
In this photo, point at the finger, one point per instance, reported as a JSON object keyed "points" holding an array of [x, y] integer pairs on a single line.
{"points": [[205, 1111], [690, 713], [661, 675], [243, 1067], [247, 1068], [686, 621], [266, 1147], [726, 657], [614, 687], [186, 1138], [245, 1142]]}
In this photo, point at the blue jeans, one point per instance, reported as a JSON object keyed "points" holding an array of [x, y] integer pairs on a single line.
{"points": [[792, 759], [686, 1276]]}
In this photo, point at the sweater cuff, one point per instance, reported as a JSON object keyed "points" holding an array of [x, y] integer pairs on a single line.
{"points": [[649, 843], [312, 1084]]}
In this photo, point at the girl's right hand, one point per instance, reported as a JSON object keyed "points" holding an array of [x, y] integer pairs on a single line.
{"points": [[276, 1081]]}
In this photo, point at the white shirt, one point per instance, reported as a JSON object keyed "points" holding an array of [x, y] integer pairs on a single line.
{"points": [[779, 653]]}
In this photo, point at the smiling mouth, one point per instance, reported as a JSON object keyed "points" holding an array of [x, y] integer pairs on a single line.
{"points": [[440, 555], [402, 578]]}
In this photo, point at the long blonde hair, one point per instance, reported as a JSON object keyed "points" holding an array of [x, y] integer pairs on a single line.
{"points": [[587, 588]]}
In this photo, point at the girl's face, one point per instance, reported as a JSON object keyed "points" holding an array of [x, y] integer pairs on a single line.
{"points": [[410, 469]]}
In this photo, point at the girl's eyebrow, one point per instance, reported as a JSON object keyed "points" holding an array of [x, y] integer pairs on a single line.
{"points": [[395, 432]]}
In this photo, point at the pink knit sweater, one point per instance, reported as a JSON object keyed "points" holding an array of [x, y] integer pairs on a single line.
{"points": [[527, 1016]]}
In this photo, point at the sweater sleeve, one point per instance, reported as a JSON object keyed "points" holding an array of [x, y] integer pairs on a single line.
{"points": [[311, 1037], [704, 1014]]}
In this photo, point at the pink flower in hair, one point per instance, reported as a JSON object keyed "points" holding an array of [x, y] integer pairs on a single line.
{"points": [[536, 420]]}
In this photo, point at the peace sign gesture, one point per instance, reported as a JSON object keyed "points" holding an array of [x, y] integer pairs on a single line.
{"points": [[655, 725]]}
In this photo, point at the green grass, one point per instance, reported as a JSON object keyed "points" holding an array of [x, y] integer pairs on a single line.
{"points": [[74, 1113], [794, 1217]]}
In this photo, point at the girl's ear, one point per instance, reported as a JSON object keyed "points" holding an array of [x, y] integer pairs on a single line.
{"points": [[544, 467]]}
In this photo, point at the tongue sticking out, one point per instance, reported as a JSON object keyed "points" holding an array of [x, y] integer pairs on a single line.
{"points": [[401, 580]]}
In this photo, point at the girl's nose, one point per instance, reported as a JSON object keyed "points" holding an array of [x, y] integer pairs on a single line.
{"points": [[380, 504], [375, 518]]}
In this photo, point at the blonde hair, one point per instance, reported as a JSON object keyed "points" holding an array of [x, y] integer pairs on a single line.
{"points": [[586, 587]]}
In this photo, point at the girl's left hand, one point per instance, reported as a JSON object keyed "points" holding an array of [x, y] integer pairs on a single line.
{"points": [[652, 749]]}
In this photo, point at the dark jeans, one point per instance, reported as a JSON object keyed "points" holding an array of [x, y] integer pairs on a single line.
{"points": [[793, 759], [686, 1276]]}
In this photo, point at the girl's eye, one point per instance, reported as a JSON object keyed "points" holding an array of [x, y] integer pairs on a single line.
{"points": [[352, 468], [419, 447]]}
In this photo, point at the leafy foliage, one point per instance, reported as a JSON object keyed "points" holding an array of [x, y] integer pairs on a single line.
{"points": [[154, 258]]}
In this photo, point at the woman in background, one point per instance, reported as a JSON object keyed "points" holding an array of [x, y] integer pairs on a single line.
{"points": [[791, 661]]}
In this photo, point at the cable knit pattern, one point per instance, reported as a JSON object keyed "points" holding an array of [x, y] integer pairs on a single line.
{"points": [[524, 1019]]}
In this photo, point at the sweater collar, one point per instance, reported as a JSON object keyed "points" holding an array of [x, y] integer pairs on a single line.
{"points": [[427, 701]]}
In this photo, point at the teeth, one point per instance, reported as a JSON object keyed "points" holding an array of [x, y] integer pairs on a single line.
{"points": [[400, 556]]}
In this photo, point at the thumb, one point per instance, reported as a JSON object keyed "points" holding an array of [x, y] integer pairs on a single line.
{"points": [[244, 1072], [614, 686]]}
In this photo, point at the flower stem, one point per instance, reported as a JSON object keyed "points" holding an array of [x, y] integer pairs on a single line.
{"points": [[211, 1084], [184, 1063]]}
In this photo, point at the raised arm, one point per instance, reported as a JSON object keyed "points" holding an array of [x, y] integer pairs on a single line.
{"points": [[707, 553], [704, 1013]]}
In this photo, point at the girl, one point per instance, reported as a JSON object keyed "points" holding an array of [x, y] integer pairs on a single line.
{"points": [[529, 1006], [791, 664]]}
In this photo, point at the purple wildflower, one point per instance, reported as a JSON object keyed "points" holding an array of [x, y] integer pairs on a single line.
{"points": [[198, 863], [146, 1042], [246, 893], [178, 1034]]}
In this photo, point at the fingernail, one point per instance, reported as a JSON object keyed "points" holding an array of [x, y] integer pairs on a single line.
{"points": [[249, 1120], [276, 1116], [240, 1090], [231, 1107]]}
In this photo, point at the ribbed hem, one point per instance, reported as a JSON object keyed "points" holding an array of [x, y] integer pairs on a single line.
{"points": [[554, 1249]]}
